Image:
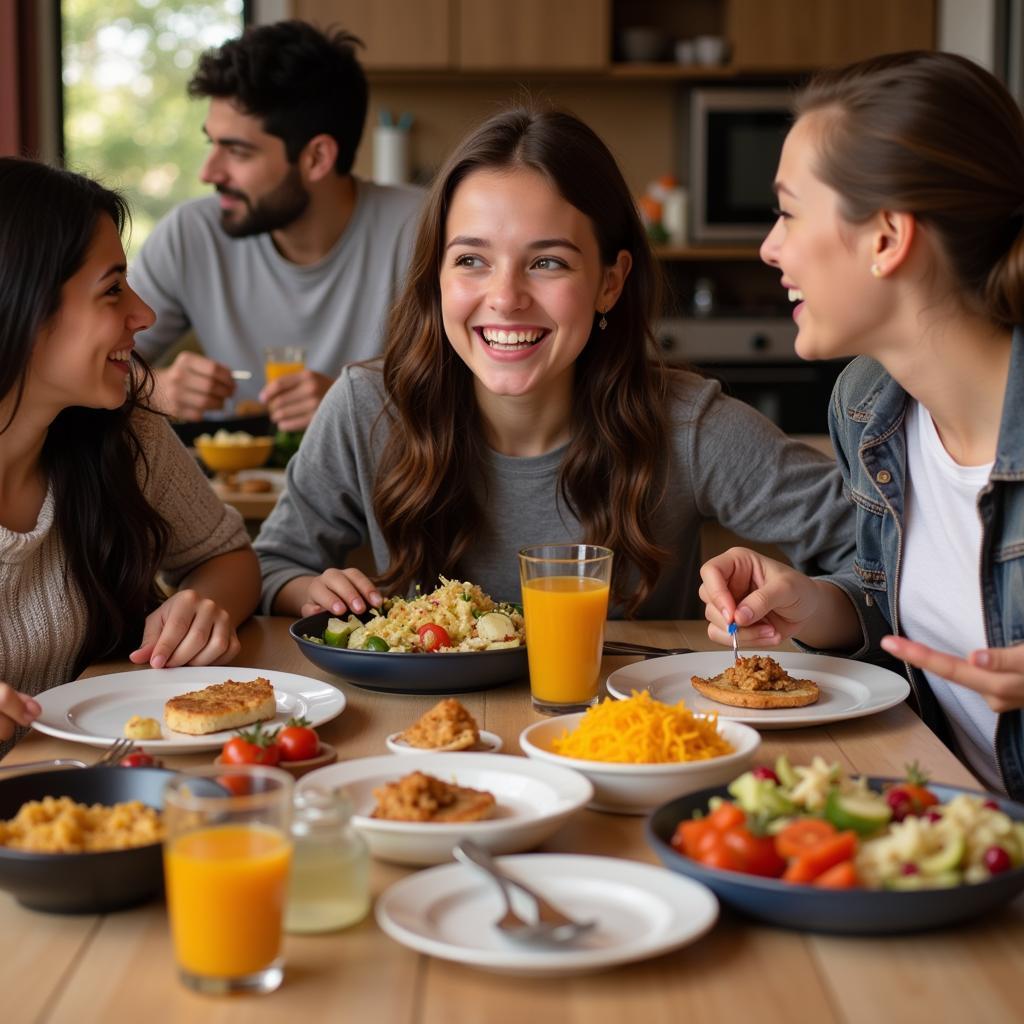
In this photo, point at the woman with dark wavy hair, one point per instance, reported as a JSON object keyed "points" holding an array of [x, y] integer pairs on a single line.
{"points": [[901, 233], [519, 402], [96, 494]]}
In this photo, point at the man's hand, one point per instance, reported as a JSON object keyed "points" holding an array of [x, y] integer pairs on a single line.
{"points": [[192, 386], [997, 673], [293, 399]]}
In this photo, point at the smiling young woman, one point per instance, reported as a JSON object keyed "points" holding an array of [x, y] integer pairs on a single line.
{"points": [[519, 401], [901, 231], [96, 493]]}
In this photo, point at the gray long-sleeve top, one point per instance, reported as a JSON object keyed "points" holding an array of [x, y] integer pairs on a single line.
{"points": [[726, 463]]}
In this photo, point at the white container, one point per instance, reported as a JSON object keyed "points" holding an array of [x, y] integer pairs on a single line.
{"points": [[390, 155], [673, 215], [710, 50]]}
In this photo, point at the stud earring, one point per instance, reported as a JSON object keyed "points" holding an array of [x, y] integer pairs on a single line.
{"points": [[603, 322], [876, 270]]}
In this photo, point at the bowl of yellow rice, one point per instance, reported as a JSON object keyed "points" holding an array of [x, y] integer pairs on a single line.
{"points": [[639, 753]]}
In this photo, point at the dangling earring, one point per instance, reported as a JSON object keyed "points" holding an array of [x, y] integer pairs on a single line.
{"points": [[603, 322], [876, 270]]}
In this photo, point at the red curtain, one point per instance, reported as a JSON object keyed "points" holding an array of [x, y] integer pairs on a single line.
{"points": [[19, 90]]}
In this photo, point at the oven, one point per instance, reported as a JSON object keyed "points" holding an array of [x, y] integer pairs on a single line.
{"points": [[755, 361]]}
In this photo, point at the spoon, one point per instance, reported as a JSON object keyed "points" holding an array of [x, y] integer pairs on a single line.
{"points": [[551, 925]]}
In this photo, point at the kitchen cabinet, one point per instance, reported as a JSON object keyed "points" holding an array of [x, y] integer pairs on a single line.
{"points": [[400, 35], [794, 35]]}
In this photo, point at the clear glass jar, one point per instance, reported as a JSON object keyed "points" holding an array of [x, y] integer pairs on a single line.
{"points": [[330, 883]]}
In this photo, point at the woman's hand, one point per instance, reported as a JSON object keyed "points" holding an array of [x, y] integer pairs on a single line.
{"points": [[15, 709], [997, 673], [338, 590], [770, 601], [187, 629]]}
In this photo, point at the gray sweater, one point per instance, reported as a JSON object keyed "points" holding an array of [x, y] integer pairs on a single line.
{"points": [[726, 463], [241, 295]]}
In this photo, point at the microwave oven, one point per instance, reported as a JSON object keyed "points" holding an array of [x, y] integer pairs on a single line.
{"points": [[736, 137]]}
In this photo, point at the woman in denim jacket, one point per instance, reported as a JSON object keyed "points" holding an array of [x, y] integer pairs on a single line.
{"points": [[901, 234]]}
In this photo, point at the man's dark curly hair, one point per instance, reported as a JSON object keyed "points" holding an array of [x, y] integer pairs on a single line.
{"points": [[302, 82]]}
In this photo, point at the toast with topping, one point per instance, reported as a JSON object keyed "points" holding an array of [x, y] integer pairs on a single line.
{"points": [[757, 682], [446, 726], [220, 706]]}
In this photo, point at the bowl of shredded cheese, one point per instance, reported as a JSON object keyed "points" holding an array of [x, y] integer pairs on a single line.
{"points": [[639, 753]]}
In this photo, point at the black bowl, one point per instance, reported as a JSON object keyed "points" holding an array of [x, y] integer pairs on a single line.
{"points": [[404, 672], [85, 883], [841, 912]]}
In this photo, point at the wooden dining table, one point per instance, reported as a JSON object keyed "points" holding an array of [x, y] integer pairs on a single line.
{"points": [[119, 967]]}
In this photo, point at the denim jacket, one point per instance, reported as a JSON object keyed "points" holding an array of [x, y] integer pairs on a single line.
{"points": [[866, 423]]}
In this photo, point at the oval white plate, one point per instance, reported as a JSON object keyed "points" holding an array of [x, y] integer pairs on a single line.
{"points": [[449, 911], [849, 689], [533, 799], [490, 743], [94, 710]]}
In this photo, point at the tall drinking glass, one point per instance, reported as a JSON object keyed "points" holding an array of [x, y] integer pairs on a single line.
{"points": [[282, 360], [565, 604], [226, 860]]}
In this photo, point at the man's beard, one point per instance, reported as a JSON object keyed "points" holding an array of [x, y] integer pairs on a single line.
{"points": [[277, 209]]}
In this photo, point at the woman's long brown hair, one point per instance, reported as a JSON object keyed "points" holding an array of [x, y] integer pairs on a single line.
{"points": [[613, 473]]}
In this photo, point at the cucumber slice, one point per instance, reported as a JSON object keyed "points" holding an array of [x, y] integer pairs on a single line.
{"points": [[946, 859], [337, 632], [760, 796], [864, 813], [784, 770]]}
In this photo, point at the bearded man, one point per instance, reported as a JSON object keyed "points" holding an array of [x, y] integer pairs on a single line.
{"points": [[292, 249]]}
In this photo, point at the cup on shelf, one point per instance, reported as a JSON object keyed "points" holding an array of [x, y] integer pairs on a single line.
{"points": [[685, 52], [710, 50], [642, 43]]}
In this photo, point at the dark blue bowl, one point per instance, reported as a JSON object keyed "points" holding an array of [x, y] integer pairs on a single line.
{"points": [[85, 883], [842, 912], [402, 672]]}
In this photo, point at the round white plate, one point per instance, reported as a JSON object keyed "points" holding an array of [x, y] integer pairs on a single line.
{"points": [[641, 911], [849, 689], [94, 710], [489, 743], [533, 799]]}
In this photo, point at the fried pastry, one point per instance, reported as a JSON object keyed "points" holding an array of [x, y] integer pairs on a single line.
{"points": [[421, 797], [446, 726], [227, 705]]}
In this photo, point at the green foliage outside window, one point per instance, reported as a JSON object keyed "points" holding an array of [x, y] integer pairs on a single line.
{"points": [[127, 117]]}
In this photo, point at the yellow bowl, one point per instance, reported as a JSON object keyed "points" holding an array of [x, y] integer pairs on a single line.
{"points": [[229, 458]]}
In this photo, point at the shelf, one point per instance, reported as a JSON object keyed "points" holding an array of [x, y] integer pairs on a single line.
{"points": [[664, 71], [681, 253], [619, 73]]}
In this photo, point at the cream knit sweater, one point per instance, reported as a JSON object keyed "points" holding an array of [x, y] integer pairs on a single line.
{"points": [[43, 617]]}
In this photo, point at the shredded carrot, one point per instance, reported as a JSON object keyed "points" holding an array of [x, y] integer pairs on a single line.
{"points": [[642, 730]]}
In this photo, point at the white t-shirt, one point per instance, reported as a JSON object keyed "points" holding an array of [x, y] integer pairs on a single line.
{"points": [[940, 585]]}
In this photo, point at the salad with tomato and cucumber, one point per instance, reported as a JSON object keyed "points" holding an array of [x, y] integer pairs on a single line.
{"points": [[815, 825]]}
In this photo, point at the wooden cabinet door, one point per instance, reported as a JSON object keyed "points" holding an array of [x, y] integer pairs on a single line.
{"points": [[792, 35], [399, 35], [534, 35]]}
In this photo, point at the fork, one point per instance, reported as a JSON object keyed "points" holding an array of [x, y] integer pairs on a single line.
{"points": [[614, 647], [110, 756], [551, 926]]}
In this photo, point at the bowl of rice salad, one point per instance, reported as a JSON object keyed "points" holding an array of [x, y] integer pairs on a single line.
{"points": [[455, 639]]}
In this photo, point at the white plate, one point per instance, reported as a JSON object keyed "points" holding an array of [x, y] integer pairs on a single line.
{"points": [[641, 911], [533, 799], [94, 710], [849, 689], [489, 743]]}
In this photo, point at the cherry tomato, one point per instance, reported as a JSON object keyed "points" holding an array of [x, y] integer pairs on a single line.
{"points": [[997, 860], [138, 759], [433, 636], [757, 854], [252, 746], [762, 771], [719, 855], [298, 741]]}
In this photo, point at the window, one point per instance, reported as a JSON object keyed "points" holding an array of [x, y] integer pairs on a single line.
{"points": [[127, 117]]}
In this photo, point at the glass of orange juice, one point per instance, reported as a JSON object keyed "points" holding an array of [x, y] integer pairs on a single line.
{"points": [[282, 360], [226, 861], [565, 604]]}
